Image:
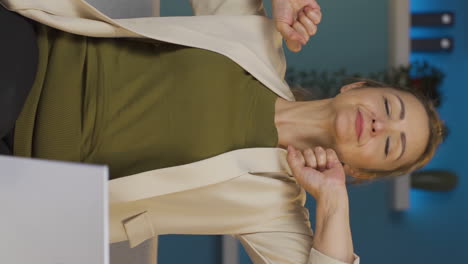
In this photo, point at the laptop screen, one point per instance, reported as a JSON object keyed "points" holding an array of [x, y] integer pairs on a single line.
{"points": [[53, 212]]}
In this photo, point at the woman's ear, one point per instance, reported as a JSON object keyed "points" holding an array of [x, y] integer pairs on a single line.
{"points": [[351, 86]]}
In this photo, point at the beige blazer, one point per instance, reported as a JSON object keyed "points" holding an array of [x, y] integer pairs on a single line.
{"points": [[246, 193]]}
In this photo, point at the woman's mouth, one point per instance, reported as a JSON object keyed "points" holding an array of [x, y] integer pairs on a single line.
{"points": [[359, 124]]}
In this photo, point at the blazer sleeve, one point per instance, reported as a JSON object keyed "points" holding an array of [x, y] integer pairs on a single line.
{"points": [[284, 248], [228, 7]]}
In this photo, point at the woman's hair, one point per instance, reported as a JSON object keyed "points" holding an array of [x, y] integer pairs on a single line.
{"points": [[437, 132]]}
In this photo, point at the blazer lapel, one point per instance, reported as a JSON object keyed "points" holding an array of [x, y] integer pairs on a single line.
{"points": [[203, 173]]}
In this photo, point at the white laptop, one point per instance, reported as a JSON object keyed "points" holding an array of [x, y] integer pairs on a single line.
{"points": [[53, 212]]}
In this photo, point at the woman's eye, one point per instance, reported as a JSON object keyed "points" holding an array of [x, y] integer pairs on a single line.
{"points": [[386, 106], [387, 146]]}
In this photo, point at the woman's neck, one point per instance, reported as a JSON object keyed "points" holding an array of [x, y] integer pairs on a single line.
{"points": [[304, 124]]}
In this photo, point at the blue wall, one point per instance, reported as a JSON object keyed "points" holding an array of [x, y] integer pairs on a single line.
{"points": [[434, 229], [353, 34]]}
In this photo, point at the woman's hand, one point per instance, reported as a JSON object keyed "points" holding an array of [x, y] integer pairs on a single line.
{"points": [[296, 20], [318, 171], [321, 174]]}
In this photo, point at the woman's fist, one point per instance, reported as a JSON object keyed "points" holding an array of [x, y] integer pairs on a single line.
{"points": [[317, 170], [296, 20]]}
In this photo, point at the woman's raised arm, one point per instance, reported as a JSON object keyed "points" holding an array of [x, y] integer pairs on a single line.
{"points": [[321, 174], [296, 20]]}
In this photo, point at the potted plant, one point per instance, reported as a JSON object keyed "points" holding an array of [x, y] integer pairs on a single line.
{"points": [[420, 76]]}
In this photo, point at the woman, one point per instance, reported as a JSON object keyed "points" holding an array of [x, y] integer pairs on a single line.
{"points": [[179, 165]]}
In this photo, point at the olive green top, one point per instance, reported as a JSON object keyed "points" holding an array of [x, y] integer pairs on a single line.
{"points": [[139, 105]]}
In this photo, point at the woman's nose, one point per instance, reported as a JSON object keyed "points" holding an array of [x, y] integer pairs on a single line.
{"points": [[377, 126]]}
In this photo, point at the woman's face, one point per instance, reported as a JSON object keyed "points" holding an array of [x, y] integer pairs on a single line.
{"points": [[379, 128]]}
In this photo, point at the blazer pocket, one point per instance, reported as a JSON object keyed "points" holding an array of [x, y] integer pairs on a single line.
{"points": [[138, 228]]}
